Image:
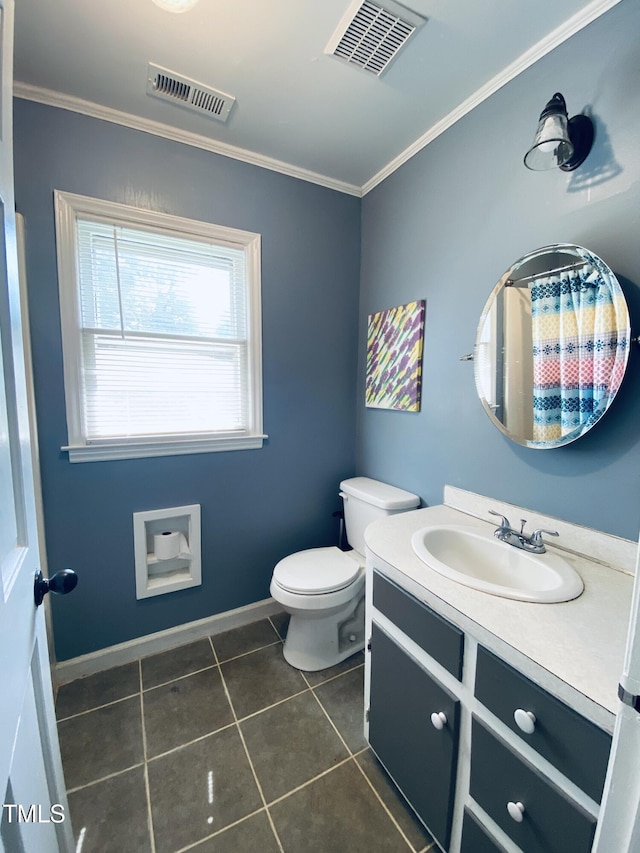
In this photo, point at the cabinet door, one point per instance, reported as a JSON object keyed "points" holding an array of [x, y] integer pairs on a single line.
{"points": [[420, 758]]}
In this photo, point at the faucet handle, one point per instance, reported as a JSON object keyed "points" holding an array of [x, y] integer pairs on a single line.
{"points": [[536, 536], [505, 524]]}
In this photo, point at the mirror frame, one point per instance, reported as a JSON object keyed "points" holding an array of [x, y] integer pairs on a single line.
{"points": [[623, 332]]}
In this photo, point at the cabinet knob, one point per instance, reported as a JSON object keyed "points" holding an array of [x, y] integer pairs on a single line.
{"points": [[439, 720], [516, 811], [525, 721]]}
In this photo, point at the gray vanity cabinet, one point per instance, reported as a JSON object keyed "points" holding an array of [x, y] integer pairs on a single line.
{"points": [[420, 757], [511, 767]]}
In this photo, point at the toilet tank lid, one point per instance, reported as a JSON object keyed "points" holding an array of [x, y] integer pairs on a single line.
{"points": [[379, 494]]}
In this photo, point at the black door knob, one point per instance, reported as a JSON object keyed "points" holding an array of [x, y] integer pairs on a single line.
{"points": [[61, 583]]}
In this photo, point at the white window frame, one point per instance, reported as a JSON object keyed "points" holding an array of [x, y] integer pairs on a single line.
{"points": [[68, 207]]}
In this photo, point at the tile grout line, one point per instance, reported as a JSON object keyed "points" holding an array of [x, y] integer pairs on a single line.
{"points": [[310, 781], [336, 676], [223, 829], [276, 642], [143, 689], [275, 705], [244, 744], [228, 725], [98, 707], [104, 778], [146, 765], [282, 639], [352, 755], [215, 665], [333, 725], [386, 809], [326, 713], [177, 678], [189, 742], [204, 669]]}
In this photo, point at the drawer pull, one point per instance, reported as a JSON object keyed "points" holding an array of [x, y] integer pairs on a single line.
{"points": [[516, 811], [525, 721], [439, 720]]}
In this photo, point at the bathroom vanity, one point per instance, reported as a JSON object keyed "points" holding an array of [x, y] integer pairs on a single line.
{"points": [[494, 716]]}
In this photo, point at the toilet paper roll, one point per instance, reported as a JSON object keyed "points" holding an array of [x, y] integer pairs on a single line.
{"points": [[166, 545]]}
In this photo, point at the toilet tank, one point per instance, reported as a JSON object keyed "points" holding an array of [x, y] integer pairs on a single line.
{"points": [[366, 500]]}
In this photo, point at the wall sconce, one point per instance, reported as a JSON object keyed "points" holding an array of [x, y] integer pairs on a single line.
{"points": [[560, 140], [176, 5]]}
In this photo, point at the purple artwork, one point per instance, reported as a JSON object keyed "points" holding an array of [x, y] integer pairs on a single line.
{"points": [[394, 358]]}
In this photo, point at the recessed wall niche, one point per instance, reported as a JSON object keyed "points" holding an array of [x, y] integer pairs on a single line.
{"points": [[167, 550]]}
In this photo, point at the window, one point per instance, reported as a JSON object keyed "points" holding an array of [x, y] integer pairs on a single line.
{"points": [[160, 331]]}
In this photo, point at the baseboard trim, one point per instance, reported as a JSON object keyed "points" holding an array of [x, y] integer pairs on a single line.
{"points": [[162, 641]]}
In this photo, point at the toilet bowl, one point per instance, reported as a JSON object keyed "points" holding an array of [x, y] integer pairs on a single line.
{"points": [[322, 589]]}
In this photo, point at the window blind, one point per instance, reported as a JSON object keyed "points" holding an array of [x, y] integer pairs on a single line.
{"points": [[164, 333]]}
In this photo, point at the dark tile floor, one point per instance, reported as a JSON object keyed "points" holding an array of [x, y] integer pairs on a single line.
{"points": [[221, 747]]}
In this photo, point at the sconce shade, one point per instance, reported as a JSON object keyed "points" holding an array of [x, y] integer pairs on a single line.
{"points": [[176, 5], [559, 141]]}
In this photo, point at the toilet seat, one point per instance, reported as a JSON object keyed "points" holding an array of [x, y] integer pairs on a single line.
{"points": [[317, 571]]}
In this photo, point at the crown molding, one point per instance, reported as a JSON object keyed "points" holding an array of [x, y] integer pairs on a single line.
{"points": [[561, 34], [528, 58], [27, 92]]}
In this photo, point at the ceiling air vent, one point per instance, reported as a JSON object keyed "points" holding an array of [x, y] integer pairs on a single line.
{"points": [[187, 93], [370, 35]]}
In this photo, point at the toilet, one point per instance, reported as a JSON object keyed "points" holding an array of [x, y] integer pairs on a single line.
{"points": [[323, 588]]}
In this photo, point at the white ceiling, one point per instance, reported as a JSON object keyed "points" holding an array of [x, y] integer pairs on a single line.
{"points": [[298, 110]]}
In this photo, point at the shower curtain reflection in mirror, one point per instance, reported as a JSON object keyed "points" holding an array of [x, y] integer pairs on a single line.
{"points": [[578, 356]]}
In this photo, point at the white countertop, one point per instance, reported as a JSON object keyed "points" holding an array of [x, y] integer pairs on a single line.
{"points": [[575, 649]]}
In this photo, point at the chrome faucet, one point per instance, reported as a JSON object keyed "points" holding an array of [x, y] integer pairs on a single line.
{"points": [[519, 539]]}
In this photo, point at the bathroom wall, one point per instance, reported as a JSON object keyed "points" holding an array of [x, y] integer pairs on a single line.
{"points": [[259, 505], [445, 227]]}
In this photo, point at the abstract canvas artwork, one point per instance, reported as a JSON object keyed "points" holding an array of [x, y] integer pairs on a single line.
{"points": [[394, 358]]}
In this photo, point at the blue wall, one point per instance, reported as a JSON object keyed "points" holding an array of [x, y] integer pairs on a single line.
{"points": [[444, 227], [447, 225], [257, 506]]}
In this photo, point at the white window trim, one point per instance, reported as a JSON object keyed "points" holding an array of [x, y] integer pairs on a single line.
{"points": [[68, 207]]}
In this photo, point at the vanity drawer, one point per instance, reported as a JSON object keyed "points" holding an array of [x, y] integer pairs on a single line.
{"points": [[475, 838], [551, 822], [439, 638], [577, 747]]}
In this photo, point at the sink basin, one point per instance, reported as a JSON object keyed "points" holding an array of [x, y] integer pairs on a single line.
{"points": [[475, 558]]}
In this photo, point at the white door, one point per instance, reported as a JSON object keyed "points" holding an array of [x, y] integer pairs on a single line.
{"points": [[619, 825], [34, 815]]}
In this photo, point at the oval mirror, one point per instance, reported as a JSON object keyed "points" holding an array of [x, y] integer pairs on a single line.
{"points": [[552, 346]]}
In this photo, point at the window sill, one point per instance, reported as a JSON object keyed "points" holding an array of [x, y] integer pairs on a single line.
{"points": [[142, 450]]}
